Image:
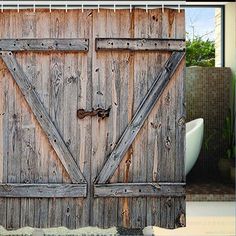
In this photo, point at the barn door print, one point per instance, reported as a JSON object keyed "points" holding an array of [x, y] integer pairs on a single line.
{"points": [[141, 189], [43, 118], [92, 118]]}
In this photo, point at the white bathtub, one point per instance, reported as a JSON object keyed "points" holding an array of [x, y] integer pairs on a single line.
{"points": [[194, 136]]}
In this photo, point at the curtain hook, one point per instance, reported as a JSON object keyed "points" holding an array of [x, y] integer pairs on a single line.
{"points": [[114, 7], [66, 7], [147, 8], [50, 8], [179, 8], [2, 7], [163, 10], [98, 8], [82, 7], [34, 7], [130, 8], [18, 7]]}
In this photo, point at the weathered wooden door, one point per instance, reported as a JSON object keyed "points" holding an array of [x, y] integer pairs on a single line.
{"points": [[92, 118]]}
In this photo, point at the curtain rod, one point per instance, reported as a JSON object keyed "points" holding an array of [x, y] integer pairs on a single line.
{"points": [[39, 4]]}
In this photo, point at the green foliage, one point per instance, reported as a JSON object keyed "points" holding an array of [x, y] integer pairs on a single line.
{"points": [[207, 141], [200, 53], [228, 135]]}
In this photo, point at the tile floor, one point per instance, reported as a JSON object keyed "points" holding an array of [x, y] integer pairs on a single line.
{"points": [[212, 191], [203, 218]]}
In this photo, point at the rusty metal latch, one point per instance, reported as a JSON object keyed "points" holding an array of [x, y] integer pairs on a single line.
{"points": [[100, 112]]}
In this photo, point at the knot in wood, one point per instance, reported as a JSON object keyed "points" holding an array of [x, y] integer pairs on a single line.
{"points": [[72, 79], [68, 143], [168, 202], [180, 220], [31, 87], [167, 99], [128, 161], [181, 121], [168, 142], [155, 125], [99, 93], [14, 116], [7, 187], [26, 181]]}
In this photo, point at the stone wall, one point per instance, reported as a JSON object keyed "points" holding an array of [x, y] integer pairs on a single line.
{"points": [[207, 96]]}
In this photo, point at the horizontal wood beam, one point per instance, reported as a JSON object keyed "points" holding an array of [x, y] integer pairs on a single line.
{"points": [[43, 117], [139, 117], [65, 44], [140, 44], [139, 190], [43, 190]]}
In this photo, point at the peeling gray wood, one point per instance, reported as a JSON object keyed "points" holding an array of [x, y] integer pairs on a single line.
{"points": [[65, 44], [140, 116], [139, 190], [140, 44], [43, 190], [43, 118]]}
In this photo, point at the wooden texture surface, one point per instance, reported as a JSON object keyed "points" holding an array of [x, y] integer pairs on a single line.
{"points": [[42, 190], [139, 44], [44, 44], [143, 110], [139, 190], [68, 81], [35, 104]]}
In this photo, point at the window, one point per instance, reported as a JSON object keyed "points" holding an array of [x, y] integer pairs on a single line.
{"points": [[204, 35]]}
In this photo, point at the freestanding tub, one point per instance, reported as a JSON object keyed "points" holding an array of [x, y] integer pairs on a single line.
{"points": [[194, 136]]}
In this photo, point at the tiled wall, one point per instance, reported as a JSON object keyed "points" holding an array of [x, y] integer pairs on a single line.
{"points": [[207, 96]]}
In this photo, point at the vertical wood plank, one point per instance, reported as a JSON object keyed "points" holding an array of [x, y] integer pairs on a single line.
{"points": [[171, 23], [4, 117], [13, 206], [140, 88], [98, 125], [180, 105], [28, 142], [2, 136], [42, 145], [56, 101], [155, 64], [180, 204], [125, 115], [72, 78], [116, 81], [84, 127], [165, 144]]}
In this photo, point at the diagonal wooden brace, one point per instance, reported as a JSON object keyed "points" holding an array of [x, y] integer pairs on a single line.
{"points": [[43, 117], [139, 117]]}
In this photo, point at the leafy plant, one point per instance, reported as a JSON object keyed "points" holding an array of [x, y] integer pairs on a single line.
{"points": [[229, 127], [200, 52], [207, 141]]}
